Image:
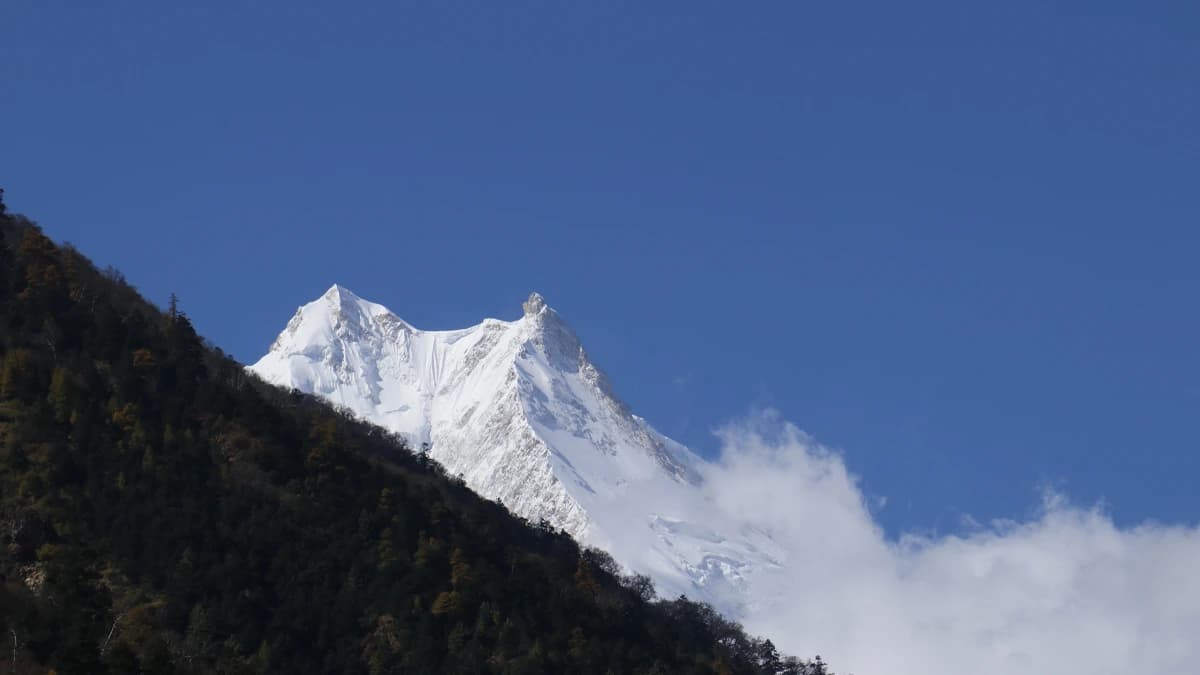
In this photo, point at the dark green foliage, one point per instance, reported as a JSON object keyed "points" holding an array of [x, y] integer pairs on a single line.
{"points": [[162, 511]]}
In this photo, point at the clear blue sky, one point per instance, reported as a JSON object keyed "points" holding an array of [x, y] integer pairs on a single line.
{"points": [[956, 240]]}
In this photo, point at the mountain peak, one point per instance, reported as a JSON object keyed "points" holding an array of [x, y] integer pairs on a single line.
{"points": [[518, 410], [339, 295], [350, 308], [535, 304]]}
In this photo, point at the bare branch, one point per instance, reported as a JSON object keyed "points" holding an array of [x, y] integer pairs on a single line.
{"points": [[112, 629]]}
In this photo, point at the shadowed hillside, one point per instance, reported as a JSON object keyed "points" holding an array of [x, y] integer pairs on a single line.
{"points": [[162, 511]]}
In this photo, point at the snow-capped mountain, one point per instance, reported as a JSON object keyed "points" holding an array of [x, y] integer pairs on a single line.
{"points": [[520, 412]]}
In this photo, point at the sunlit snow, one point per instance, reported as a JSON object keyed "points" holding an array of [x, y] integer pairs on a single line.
{"points": [[519, 411]]}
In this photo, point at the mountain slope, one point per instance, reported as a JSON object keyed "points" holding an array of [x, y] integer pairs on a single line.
{"points": [[521, 413], [163, 512]]}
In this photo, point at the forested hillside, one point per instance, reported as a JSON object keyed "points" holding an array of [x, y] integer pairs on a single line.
{"points": [[162, 511]]}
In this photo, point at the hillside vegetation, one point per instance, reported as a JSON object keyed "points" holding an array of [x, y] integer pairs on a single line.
{"points": [[162, 511]]}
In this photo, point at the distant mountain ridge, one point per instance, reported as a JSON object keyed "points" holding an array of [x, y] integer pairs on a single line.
{"points": [[521, 413]]}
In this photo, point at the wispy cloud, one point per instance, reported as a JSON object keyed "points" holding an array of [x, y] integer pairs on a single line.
{"points": [[1065, 591]]}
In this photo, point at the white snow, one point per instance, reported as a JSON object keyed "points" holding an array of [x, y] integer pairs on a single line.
{"points": [[520, 412]]}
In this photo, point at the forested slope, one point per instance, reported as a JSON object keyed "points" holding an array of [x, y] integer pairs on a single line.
{"points": [[162, 511]]}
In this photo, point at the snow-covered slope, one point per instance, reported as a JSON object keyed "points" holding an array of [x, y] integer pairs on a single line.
{"points": [[519, 411]]}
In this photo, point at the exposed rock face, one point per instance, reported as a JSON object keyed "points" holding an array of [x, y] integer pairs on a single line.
{"points": [[534, 304]]}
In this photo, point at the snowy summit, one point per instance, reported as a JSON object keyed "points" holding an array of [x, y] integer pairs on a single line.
{"points": [[518, 409]]}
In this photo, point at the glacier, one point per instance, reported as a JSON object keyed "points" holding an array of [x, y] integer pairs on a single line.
{"points": [[518, 410]]}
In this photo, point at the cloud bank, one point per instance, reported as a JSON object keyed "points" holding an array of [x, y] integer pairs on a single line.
{"points": [[1064, 592]]}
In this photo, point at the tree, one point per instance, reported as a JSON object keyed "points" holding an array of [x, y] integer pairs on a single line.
{"points": [[585, 580], [447, 602], [641, 585], [200, 630], [460, 571]]}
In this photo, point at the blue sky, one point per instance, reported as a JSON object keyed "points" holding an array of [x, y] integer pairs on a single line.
{"points": [[957, 241]]}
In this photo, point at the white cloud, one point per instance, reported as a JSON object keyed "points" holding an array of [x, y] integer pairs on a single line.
{"points": [[1064, 592]]}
